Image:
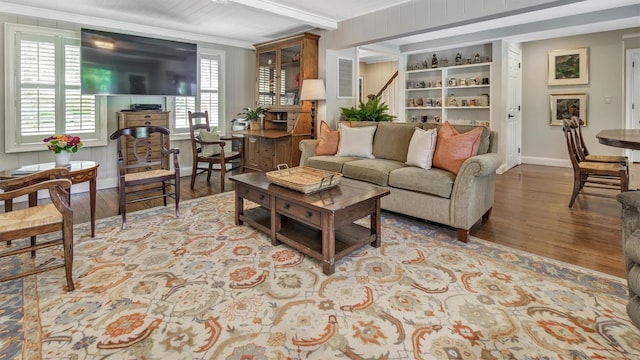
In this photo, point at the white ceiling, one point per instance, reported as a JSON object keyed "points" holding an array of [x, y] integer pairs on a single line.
{"points": [[246, 22], [231, 22]]}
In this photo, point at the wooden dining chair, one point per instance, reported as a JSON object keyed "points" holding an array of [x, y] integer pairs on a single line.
{"points": [[209, 151], [36, 219], [145, 174], [578, 123], [590, 173]]}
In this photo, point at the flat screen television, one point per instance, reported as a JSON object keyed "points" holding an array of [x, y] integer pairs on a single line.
{"points": [[120, 64]]}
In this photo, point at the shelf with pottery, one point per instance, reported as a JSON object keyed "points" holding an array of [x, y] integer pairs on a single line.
{"points": [[469, 83]]}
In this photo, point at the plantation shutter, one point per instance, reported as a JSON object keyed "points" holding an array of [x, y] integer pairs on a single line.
{"points": [[182, 105], [209, 95], [48, 84], [36, 86], [79, 110], [264, 93], [209, 85]]}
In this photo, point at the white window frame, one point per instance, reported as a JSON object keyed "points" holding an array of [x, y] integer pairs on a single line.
{"points": [[183, 133], [13, 142]]}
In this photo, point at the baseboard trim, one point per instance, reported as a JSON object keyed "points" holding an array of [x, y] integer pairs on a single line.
{"points": [[546, 161]]}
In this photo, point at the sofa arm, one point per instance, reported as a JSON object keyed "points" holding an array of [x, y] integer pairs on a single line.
{"points": [[473, 190], [307, 150], [480, 165]]}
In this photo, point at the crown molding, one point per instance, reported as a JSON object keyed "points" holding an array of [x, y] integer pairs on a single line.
{"points": [[290, 12], [120, 25]]}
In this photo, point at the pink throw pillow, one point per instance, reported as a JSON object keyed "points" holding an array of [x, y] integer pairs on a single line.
{"points": [[329, 140], [453, 148]]}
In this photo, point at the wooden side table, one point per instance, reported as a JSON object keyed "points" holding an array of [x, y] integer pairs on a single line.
{"points": [[79, 172]]}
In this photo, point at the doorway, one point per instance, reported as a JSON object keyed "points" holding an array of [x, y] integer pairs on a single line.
{"points": [[514, 100], [632, 90], [376, 68]]}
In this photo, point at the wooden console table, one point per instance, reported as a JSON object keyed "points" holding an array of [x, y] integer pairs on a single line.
{"points": [[79, 172], [321, 224]]}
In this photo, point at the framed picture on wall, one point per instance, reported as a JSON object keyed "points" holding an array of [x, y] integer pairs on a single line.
{"points": [[564, 106], [568, 67], [361, 87]]}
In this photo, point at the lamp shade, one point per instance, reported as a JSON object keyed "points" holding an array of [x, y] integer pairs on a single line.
{"points": [[313, 89]]}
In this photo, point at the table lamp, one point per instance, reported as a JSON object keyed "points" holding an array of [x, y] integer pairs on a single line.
{"points": [[313, 90]]}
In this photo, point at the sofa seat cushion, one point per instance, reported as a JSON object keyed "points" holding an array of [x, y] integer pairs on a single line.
{"points": [[370, 170], [329, 162], [429, 181]]}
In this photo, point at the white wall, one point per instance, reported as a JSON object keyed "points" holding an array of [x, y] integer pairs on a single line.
{"points": [[329, 63], [544, 144], [415, 17], [239, 83]]}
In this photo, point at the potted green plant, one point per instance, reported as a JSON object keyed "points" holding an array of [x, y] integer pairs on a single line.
{"points": [[254, 116], [372, 110]]}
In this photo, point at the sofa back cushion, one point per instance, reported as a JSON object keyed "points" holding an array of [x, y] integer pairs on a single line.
{"points": [[392, 140], [360, 123], [485, 138]]}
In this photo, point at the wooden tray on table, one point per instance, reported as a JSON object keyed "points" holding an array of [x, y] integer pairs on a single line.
{"points": [[304, 179]]}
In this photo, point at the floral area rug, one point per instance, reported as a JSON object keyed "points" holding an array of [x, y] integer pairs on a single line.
{"points": [[199, 287]]}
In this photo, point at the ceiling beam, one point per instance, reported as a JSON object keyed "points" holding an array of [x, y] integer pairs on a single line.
{"points": [[290, 12]]}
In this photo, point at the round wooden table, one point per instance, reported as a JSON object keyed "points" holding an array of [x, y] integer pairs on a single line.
{"points": [[622, 138], [79, 171]]}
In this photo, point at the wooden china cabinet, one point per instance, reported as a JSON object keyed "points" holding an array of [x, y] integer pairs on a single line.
{"points": [[281, 67]]}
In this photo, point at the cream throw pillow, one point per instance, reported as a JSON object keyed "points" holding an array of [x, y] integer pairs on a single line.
{"points": [[210, 150], [357, 141], [421, 148]]}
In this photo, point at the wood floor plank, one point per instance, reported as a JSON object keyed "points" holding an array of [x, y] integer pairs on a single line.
{"points": [[531, 213]]}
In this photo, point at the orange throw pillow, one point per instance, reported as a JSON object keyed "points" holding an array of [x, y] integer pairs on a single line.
{"points": [[453, 148], [329, 140]]}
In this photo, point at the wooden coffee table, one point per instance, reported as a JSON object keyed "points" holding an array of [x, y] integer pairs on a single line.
{"points": [[320, 224]]}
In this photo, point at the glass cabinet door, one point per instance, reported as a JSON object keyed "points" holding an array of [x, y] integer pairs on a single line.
{"points": [[267, 78], [290, 78]]}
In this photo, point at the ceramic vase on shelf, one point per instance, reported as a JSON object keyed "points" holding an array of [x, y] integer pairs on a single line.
{"points": [[63, 158]]}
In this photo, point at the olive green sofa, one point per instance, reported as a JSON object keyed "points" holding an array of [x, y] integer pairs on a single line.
{"points": [[435, 195]]}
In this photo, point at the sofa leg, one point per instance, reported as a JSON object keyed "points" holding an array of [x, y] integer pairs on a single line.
{"points": [[463, 235], [486, 215]]}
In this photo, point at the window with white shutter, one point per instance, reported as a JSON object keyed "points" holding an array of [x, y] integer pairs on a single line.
{"points": [[43, 90], [209, 87], [209, 90]]}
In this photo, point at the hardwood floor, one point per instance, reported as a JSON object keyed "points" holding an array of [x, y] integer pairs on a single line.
{"points": [[530, 214]]}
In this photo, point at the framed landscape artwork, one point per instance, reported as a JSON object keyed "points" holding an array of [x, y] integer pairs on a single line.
{"points": [[564, 106], [568, 67]]}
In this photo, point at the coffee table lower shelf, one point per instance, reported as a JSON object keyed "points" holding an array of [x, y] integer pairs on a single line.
{"points": [[259, 218], [308, 240]]}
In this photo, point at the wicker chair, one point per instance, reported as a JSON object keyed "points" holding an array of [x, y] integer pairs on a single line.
{"points": [[141, 168], [209, 155], [38, 220], [596, 174], [578, 123]]}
